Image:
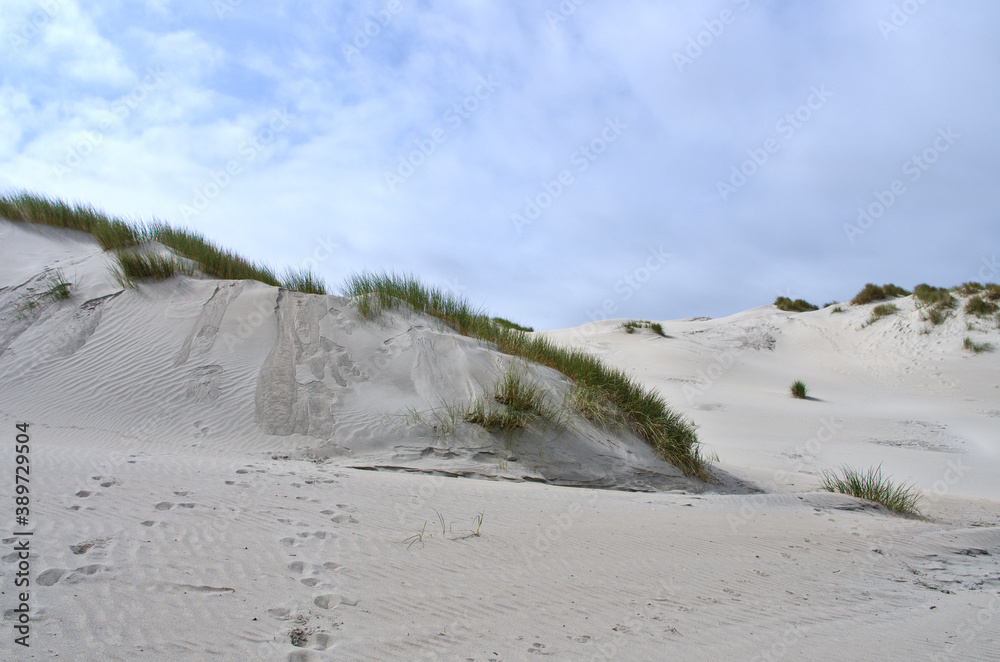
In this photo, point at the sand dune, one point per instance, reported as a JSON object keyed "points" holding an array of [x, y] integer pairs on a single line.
{"points": [[198, 492]]}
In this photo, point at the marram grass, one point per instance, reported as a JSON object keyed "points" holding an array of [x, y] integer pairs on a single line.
{"points": [[116, 234], [871, 485], [639, 410]]}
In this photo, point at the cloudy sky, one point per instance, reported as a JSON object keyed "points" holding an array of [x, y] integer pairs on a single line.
{"points": [[555, 162]]}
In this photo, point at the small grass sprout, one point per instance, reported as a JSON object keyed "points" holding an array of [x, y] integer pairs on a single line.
{"points": [[417, 538], [798, 390], [871, 485]]}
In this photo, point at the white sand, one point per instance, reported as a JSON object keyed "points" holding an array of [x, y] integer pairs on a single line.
{"points": [[193, 496]]}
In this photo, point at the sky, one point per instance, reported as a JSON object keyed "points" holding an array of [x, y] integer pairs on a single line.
{"points": [[555, 162]]}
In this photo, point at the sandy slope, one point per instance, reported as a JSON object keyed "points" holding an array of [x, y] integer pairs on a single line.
{"points": [[193, 496]]}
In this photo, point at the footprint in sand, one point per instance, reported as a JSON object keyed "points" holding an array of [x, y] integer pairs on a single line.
{"points": [[339, 517], [53, 575], [167, 505], [107, 481]]}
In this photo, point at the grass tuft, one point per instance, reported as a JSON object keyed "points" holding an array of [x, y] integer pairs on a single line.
{"points": [[980, 307], [797, 306], [798, 390], [118, 234], [303, 280], [639, 410], [519, 400], [872, 292], [131, 268], [882, 310], [836, 309], [633, 325], [977, 347], [57, 289], [969, 289], [871, 485]]}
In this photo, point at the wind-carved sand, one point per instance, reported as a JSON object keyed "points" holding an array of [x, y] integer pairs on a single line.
{"points": [[197, 491]]}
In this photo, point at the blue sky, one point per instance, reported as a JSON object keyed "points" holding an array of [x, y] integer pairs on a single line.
{"points": [[555, 162]]}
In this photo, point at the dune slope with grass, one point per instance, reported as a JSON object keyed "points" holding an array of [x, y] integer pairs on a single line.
{"points": [[202, 484], [291, 373]]}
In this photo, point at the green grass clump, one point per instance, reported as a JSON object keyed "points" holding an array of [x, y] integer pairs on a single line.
{"points": [[512, 325], [882, 310], [799, 390], [797, 306], [977, 347], [871, 485], [57, 289], [111, 233], [980, 307], [836, 309], [516, 402], [118, 234], [639, 410], [303, 280], [930, 295], [212, 259], [872, 292], [131, 268], [991, 292], [969, 289], [632, 325]]}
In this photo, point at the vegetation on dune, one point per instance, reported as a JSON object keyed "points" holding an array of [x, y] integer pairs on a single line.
{"points": [[882, 310], [872, 292], [116, 234], [969, 289], [132, 268], [797, 306], [635, 408], [515, 403], [871, 485], [57, 288], [798, 390], [632, 325], [980, 307], [512, 325], [977, 347]]}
